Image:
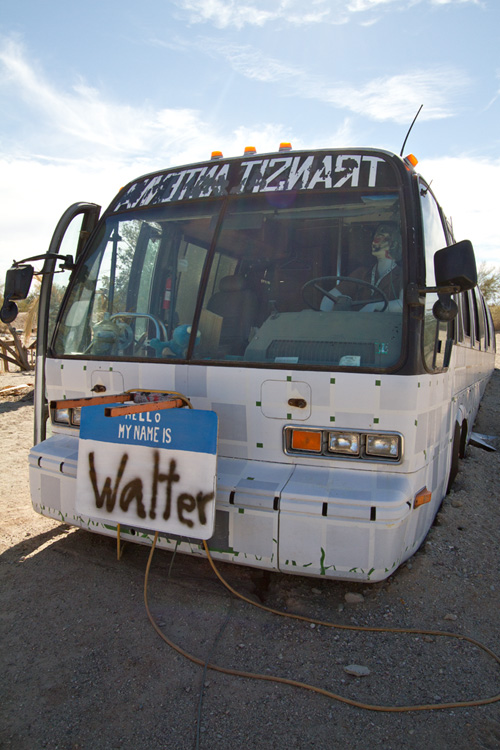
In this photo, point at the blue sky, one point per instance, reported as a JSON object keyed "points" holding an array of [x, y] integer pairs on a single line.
{"points": [[94, 94]]}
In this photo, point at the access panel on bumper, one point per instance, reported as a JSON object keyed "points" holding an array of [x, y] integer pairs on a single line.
{"points": [[248, 498], [345, 524]]}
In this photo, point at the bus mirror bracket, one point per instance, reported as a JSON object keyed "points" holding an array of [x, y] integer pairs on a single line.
{"points": [[67, 262], [414, 301], [445, 308], [18, 281]]}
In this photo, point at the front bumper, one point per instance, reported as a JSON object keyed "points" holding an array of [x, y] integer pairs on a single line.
{"points": [[343, 523]]}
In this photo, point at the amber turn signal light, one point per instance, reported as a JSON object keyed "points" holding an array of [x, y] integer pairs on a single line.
{"points": [[422, 497], [306, 440]]}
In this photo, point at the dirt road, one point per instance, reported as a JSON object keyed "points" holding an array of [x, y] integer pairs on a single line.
{"points": [[83, 669]]}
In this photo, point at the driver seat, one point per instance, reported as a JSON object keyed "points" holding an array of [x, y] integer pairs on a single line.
{"points": [[238, 307]]}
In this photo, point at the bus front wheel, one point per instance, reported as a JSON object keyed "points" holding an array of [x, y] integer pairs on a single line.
{"points": [[455, 456]]}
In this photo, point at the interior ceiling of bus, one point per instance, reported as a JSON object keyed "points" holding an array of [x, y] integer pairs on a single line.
{"points": [[255, 228]]}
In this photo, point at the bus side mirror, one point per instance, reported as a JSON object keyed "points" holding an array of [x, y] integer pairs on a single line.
{"points": [[17, 286], [455, 265]]}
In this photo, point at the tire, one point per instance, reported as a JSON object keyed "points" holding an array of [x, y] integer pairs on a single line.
{"points": [[455, 456]]}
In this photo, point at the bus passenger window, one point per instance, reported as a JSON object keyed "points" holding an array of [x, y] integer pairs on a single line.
{"points": [[487, 332], [436, 333], [466, 313], [479, 317]]}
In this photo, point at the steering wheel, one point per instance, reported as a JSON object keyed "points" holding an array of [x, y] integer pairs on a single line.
{"points": [[343, 301], [139, 343], [125, 335]]}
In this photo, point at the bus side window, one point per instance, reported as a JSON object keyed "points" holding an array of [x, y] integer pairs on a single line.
{"points": [[491, 328], [456, 325], [61, 279], [488, 326], [479, 316], [466, 316], [436, 333]]}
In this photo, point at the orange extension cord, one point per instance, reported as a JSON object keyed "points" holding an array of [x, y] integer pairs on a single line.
{"points": [[305, 686]]}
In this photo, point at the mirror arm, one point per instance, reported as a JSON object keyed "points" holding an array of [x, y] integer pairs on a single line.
{"points": [[450, 289], [444, 309], [67, 261]]}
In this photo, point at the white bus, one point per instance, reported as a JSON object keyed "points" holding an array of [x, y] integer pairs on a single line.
{"points": [[318, 304]]}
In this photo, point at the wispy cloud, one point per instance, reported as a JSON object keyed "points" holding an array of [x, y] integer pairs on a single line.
{"points": [[252, 63], [80, 144], [358, 6], [397, 98], [85, 115], [385, 98], [233, 13], [496, 96], [84, 121], [225, 13], [456, 2]]}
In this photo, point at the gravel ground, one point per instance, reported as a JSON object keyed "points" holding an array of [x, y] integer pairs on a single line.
{"points": [[83, 669]]}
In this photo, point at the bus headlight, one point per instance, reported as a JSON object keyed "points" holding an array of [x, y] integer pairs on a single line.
{"points": [[67, 416], [62, 416], [383, 446], [346, 443]]}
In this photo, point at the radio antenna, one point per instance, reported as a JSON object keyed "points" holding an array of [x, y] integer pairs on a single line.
{"points": [[409, 130]]}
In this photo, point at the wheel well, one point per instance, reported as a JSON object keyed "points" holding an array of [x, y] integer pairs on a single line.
{"points": [[455, 456]]}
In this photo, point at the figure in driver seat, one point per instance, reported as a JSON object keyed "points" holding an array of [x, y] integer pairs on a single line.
{"points": [[386, 275]]}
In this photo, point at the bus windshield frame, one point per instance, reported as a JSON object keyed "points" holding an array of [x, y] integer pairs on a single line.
{"points": [[239, 269]]}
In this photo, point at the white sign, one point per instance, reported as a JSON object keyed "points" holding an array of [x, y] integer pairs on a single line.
{"points": [[325, 171], [151, 470]]}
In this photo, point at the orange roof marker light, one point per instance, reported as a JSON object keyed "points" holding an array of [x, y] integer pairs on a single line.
{"points": [[410, 159], [285, 146], [249, 150], [216, 155]]}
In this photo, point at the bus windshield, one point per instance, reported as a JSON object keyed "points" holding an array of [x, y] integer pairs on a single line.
{"points": [[292, 278]]}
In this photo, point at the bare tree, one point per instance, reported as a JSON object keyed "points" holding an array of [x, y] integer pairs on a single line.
{"points": [[488, 279], [17, 349], [13, 351]]}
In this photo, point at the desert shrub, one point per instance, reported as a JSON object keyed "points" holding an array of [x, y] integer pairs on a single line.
{"points": [[495, 314]]}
